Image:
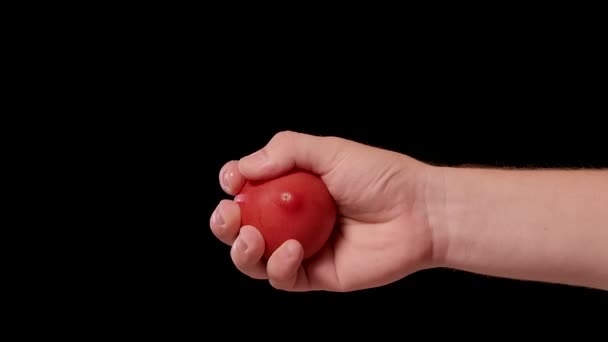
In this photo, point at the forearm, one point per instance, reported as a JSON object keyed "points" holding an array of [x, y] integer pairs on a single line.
{"points": [[540, 225]]}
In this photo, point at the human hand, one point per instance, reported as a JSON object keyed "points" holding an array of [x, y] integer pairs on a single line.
{"points": [[383, 226]]}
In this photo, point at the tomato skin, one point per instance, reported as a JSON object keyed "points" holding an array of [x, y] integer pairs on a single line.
{"points": [[296, 205]]}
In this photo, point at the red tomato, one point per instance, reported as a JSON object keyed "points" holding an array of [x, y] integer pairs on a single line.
{"points": [[296, 205]]}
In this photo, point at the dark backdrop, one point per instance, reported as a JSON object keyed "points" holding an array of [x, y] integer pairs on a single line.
{"points": [[501, 108], [172, 101], [444, 111]]}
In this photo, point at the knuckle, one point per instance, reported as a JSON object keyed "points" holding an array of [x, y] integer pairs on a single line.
{"points": [[217, 231], [238, 260], [246, 268], [223, 235], [343, 289], [242, 260], [275, 277], [333, 140], [282, 137], [245, 271], [336, 144], [280, 277], [225, 204], [277, 284]]}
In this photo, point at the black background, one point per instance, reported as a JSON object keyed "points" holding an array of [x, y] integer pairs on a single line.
{"points": [[446, 101], [516, 110], [141, 110]]}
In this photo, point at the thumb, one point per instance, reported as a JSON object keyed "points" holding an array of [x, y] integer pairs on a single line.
{"points": [[287, 150]]}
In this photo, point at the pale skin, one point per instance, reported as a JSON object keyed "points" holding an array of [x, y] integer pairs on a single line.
{"points": [[398, 215]]}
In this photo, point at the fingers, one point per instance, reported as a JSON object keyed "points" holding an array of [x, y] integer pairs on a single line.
{"points": [[226, 221], [290, 149], [284, 266], [247, 251], [231, 179]]}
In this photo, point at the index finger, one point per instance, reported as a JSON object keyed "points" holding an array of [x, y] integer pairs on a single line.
{"points": [[231, 179]]}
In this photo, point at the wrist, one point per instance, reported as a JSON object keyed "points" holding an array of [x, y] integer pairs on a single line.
{"points": [[461, 210], [436, 212], [541, 225]]}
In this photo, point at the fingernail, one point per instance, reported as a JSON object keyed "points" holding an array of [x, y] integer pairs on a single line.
{"points": [[241, 245], [217, 217], [260, 157], [226, 176]]}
